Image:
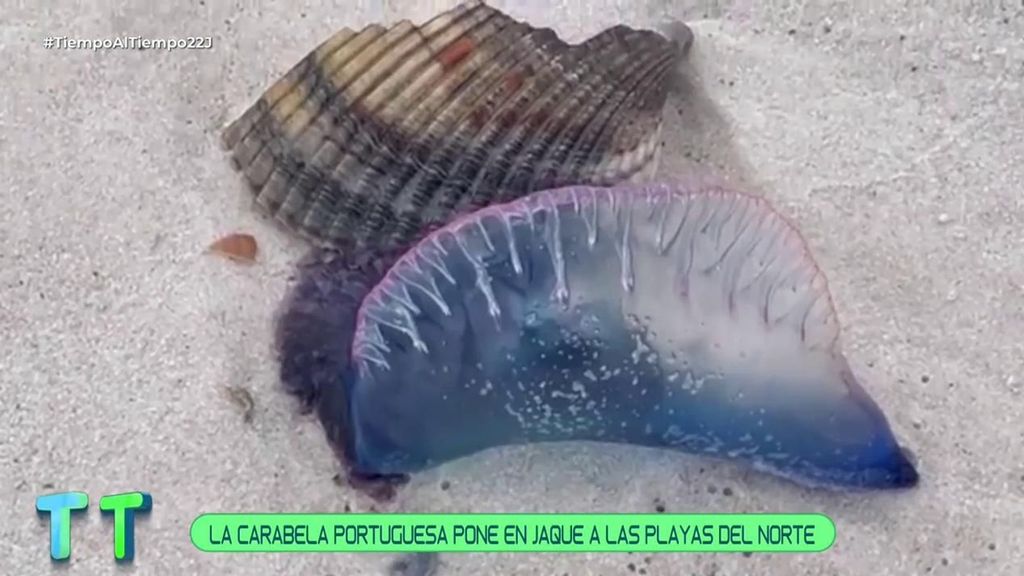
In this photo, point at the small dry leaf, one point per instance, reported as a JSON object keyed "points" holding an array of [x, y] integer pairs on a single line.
{"points": [[238, 247]]}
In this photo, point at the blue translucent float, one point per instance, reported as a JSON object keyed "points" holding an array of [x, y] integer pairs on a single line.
{"points": [[690, 318]]}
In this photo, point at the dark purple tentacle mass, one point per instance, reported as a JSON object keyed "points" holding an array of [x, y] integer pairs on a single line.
{"points": [[315, 330]]}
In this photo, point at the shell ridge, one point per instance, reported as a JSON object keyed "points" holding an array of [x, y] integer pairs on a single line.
{"points": [[425, 187], [402, 102], [575, 164], [477, 86], [568, 169], [334, 148], [325, 145], [471, 90], [306, 132], [507, 148], [529, 143], [652, 75], [589, 142], [426, 112], [270, 142], [496, 132], [241, 127], [477, 31], [533, 158], [347, 91], [282, 115]]}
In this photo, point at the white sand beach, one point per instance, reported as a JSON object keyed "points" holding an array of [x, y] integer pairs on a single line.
{"points": [[891, 133]]}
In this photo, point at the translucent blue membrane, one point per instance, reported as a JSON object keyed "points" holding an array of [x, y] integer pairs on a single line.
{"points": [[686, 319]]}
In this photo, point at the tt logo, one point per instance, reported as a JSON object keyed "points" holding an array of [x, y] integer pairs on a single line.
{"points": [[123, 507]]}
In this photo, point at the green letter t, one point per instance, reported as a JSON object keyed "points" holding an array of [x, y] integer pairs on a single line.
{"points": [[124, 506]]}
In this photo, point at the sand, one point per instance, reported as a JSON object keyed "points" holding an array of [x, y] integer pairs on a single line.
{"points": [[890, 132]]}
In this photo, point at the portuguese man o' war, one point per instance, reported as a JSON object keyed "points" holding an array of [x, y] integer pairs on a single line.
{"points": [[473, 286], [683, 317]]}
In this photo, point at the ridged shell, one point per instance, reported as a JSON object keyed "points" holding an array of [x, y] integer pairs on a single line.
{"points": [[381, 134]]}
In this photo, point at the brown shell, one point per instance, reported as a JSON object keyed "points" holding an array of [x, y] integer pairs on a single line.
{"points": [[379, 135]]}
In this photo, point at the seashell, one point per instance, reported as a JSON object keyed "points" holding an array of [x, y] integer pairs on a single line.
{"points": [[685, 317], [380, 134]]}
